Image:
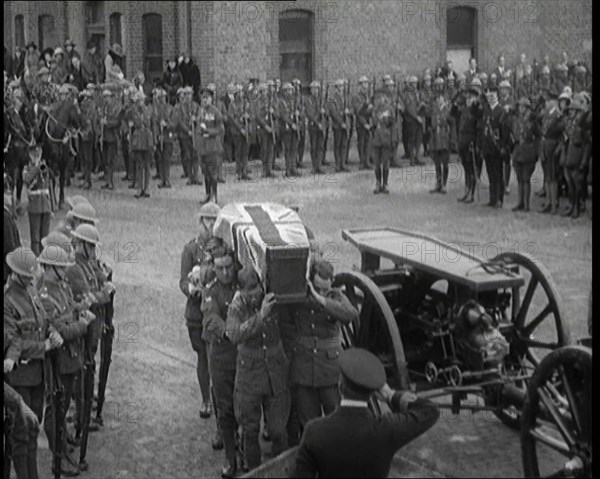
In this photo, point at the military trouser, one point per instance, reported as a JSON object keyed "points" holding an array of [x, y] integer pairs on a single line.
{"points": [[15, 160], [363, 138], [426, 136], [228, 148], [68, 382], [34, 398], [266, 152], [241, 149], [92, 339], [143, 158], [110, 161], [440, 159], [523, 172], [506, 169], [405, 139], [301, 145], [23, 431], [129, 167], [340, 143], [164, 161], [415, 134], [187, 155], [156, 157], [86, 153], [39, 227], [317, 148], [200, 347], [493, 165], [107, 333], [210, 164], [314, 402], [382, 155], [466, 153], [290, 145], [223, 380]]}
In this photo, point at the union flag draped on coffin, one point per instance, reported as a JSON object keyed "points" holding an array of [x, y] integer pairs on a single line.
{"points": [[272, 239]]}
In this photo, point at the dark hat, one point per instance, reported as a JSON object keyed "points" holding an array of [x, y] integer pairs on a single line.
{"points": [[35, 147], [362, 368], [324, 269], [248, 279]]}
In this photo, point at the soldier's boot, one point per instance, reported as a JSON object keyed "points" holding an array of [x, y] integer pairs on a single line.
{"points": [[444, 178], [67, 469], [526, 195], [548, 206], [207, 190], [577, 203], [519, 206], [554, 197], [377, 189], [470, 190], [384, 186]]}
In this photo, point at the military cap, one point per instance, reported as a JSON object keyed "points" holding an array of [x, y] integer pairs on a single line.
{"points": [[545, 70], [64, 88], [248, 280], [438, 81], [212, 87], [270, 83], [295, 81], [87, 233], [107, 92], [22, 261], [75, 199], [363, 79], [427, 76], [561, 67], [412, 79], [180, 90], [362, 368], [56, 238], [90, 86], [55, 255], [160, 92], [209, 210], [324, 269], [493, 75], [504, 84], [139, 95], [69, 42], [207, 92], [43, 71], [59, 51], [524, 101], [315, 84], [339, 82], [287, 86]]}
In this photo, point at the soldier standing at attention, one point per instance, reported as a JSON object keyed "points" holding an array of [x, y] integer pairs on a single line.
{"points": [[222, 354], [142, 141], [263, 113], [261, 381], [89, 134], [210, 144], [163, 127], [239, 119], [335, 106], [507, 102], [441, 125], [427, 97], [316, 125], [467, 142], [363, 108], [288, 128], [414, 120], [318, 344], [182, 119], [382, 142], [111, 121]]}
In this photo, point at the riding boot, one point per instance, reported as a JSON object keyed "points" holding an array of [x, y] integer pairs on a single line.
{"points": [[553, 201]]}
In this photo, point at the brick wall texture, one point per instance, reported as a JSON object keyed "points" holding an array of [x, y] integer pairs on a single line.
{"points": [[237, 40]]}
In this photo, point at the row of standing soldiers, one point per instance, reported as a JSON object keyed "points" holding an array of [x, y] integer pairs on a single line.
{"points": [[58, 306]]}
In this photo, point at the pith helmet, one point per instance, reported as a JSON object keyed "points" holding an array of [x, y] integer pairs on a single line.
{"points": [[87, 233], [55, 256], [22, 261]]}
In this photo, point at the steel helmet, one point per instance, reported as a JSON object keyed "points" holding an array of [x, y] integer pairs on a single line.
{"points": [[55, 256], [83, 211], [209, 210], [22, 261], [73, 200], [315, 84], [56, 238], [87, 233]]}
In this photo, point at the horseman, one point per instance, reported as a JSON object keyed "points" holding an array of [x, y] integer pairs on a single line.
{"points": [[62, 118]]}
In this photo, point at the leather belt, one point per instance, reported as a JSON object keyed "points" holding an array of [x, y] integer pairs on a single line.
{"points": [[312, 342], [261, 352]]}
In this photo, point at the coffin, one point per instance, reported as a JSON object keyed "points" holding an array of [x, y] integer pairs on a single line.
{"points": [[272, 239]]}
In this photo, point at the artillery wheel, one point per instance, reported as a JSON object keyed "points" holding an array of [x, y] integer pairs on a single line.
{"points": [[536, 311], [376, 328], [557, 416]]}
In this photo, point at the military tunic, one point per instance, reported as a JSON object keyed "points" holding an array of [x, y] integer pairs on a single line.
{"points": [[210, 146], [142, 143], [335, 109], [164, 137], [362, 107], [39, 208], [265, 118]]}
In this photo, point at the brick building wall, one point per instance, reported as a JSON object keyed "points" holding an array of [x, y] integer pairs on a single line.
{"points": [[232, 40]]}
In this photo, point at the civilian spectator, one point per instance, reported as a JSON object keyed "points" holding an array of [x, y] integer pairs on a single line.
{"points": [[172, 80], [112, 64], [190, 74]]}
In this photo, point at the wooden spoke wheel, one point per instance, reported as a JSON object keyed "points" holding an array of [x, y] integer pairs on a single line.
{"points": [[536, 327], [376, 328], [556, 430]]}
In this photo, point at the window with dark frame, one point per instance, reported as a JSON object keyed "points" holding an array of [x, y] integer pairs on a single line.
{"points": [[152, 42], [20, 31], [296, 40], [46, 32], [461, 29], [115, 30]]}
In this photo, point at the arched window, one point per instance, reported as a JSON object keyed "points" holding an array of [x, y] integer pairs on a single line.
{"points": [[94, 24], [152, 43], [19, 31], [461, 36], [116, 29], [296, 39], [46, 32]]}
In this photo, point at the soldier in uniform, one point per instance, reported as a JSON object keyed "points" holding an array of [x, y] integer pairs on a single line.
{"points": [[196, 253], [288, 115], [163, 130], [89, 133], [261, 380], [110, 123], [20, 137], [301, 120], [25, 320], [38, 177], [427, 97], [142, 141], [228, 143], [316, 116], [264, 114], [561, 77], [468, 133], [71, 324], [363, 108], [335, 106], [553, 126], [222, 354], [382, 141], [441, 125], [238, 117], [130, 166], [210, 143], [525, 155], [506, 101], [182, 113], [317, 345], [414, 119], [195, 165]]}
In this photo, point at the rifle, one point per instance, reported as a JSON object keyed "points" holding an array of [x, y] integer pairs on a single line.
{"points": [[476, 175], [87, 391], [57, 393], [271, 119], [245, 115], [346, 119], [102, 128], [326, 125], [106, 346], [296, 116], [192, 122]]}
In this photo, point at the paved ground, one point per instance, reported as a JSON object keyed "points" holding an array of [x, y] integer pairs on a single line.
{"points": [[152, 428]]}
